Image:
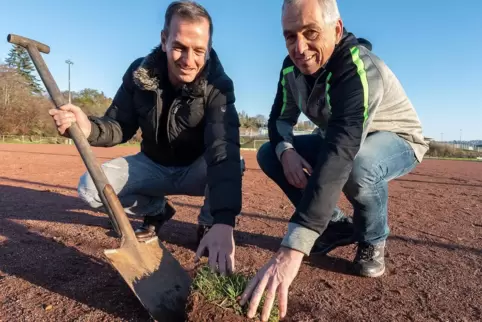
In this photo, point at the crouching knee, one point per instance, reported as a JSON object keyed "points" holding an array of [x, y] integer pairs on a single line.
{"points": [[364, 176], [266, 156], [88, 192]]}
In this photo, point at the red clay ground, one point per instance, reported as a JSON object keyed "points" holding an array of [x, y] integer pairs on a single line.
{"points": [[51, 245]]}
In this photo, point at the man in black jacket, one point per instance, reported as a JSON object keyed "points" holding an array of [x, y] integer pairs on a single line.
{"points": [[183, 102]]}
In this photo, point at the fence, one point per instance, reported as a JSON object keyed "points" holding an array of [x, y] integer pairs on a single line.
{"points": [[253, 142], [247, 142], [34, 139], [461, 146]]}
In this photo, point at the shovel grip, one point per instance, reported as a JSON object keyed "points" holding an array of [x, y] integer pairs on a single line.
{"points": [[25, 42]]}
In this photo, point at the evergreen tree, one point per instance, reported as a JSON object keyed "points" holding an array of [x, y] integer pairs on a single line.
{"points": [[19, 59]]}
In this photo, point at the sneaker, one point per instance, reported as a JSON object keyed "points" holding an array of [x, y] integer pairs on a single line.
{"points": [[370, 259], [337, 233], [152, 224]]}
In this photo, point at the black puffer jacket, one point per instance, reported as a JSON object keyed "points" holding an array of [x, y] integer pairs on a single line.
{"points": [[202, 120]]}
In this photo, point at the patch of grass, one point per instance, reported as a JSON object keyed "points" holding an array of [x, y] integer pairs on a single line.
{"points": [[130, 144], [223, 291]]}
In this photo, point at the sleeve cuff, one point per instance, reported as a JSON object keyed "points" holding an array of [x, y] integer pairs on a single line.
{"points": [[299, 238], [94, 132], [226, 219], [282, 147]]}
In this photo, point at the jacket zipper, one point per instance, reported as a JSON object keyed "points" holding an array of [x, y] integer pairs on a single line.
{"points": [[158, 114], [170, 122], [171, 112], [314, 87]]}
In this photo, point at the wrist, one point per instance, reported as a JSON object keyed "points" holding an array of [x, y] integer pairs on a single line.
{"points": [[225, 218], [299, 238], [291, 253], [281, 147], [94, 131], [289, 150], [223, 226]]}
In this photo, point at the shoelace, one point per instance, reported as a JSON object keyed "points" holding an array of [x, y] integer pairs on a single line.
{"points": [[365, 251]]}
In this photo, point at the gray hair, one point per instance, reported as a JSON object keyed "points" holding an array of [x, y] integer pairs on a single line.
{"points": [[329, 9], [188, 10]]}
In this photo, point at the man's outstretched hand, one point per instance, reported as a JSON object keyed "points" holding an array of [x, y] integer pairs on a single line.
{"points": [[276, 277], [219, 242]]}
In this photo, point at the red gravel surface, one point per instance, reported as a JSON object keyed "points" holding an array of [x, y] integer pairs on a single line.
{"points": [[52, 266]]}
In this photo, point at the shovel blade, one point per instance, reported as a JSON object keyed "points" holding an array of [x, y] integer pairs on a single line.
{"points": [[155, 277]]}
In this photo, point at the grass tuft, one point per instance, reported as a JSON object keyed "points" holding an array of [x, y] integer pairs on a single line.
{"points": [[223, 291]]}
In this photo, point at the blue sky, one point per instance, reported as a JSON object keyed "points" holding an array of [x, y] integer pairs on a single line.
{"points": [[432, 46]]}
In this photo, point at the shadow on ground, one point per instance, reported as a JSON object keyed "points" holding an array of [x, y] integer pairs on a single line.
{"points": [[65, 270], [52, 264]]}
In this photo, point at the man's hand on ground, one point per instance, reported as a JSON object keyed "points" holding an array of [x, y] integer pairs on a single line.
{"points": [[276, 277], [69, 114], [293, 165], [219, 242]]}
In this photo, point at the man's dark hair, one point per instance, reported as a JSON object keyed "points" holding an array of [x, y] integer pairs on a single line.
{"points": [[188, 10]]}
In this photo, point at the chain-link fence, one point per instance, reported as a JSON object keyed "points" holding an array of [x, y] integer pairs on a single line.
{"points": [[34, 139], [252, 142], [247, 142]]}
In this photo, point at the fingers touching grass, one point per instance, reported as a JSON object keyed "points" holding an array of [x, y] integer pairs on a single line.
{"points": [[224, 291]]}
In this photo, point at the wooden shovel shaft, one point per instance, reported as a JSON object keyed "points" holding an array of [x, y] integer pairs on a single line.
{"points": [[125, 227], [74, 131]]}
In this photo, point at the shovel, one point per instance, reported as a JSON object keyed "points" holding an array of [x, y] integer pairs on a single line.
{"points": [[150, 270]]}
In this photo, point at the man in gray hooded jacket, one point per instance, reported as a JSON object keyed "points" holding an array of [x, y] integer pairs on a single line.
{"points": [[370, 134]]}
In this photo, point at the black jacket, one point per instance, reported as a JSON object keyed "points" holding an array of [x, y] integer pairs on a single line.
{"points": [[202, 120]]}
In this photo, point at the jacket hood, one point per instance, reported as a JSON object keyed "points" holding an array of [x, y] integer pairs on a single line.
{"points": [[152, 72], [366, 43], [348, 40]]}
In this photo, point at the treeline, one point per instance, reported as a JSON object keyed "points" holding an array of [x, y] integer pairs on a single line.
{"points": [[252, 122], [24, 103], [25, 112], [441, 150], [24, 106]]}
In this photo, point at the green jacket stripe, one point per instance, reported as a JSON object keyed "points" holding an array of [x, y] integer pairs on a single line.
{"points": [[355, 54], [286, 71]]}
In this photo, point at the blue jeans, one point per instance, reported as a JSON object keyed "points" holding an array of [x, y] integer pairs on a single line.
{"points": [[141, 185], [383, 156]]}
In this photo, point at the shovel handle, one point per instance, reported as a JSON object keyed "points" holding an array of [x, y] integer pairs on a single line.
{"points": [[125, 227], [24, 42], [74, 131]]}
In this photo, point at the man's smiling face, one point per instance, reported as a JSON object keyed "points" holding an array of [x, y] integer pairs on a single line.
{"points": [[309, 40]]}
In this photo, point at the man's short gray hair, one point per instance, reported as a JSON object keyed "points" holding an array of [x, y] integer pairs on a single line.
{"points": [[188, 10], [329, 9]]}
